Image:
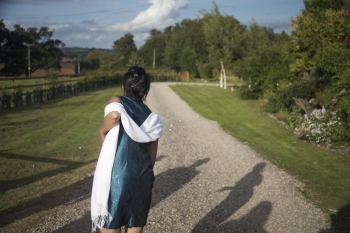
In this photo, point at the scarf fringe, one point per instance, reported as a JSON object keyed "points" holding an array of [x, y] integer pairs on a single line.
{"points": [[100, 220]]}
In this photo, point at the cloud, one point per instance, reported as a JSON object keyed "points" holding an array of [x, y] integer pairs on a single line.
{"points": [[79, 36], [89, 21], [59, 26], [103, 38], [159, 15]]}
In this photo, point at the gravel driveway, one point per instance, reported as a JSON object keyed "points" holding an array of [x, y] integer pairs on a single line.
{"points": [[206, 181]]}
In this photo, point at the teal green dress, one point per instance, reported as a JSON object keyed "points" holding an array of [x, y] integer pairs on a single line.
{"points": [[132, 175]]}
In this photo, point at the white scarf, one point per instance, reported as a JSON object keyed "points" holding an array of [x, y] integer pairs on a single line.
{"points": [[149, 131]]}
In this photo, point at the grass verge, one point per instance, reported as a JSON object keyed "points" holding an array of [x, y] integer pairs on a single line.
{"points": [[326, 174], [46, 150]]}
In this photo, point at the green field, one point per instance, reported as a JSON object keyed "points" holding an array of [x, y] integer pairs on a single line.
{"points": [[326, 174], [45, 151]]}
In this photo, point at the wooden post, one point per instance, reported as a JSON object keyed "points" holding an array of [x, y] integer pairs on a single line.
{"points": [[13, 86]]}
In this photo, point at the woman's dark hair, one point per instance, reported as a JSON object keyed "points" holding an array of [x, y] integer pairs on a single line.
{"points": [[136, 83]]}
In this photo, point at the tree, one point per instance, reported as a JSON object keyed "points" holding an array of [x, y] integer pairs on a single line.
{"points": [[99, 60], [135, 60], [322, 25], [187, 33], [124, 47], [222, 35], [156, 42], [46, 53], [188, 61]]}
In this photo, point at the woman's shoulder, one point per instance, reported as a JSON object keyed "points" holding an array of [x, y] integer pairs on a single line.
{"points": [[115, 99]]}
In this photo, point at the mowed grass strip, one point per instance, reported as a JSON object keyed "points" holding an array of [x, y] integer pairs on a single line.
{"points": [[45, 151], [326, 174]]}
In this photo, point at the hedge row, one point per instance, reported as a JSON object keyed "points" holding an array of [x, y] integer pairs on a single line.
{"points": [[18, 98], [57, 91]]}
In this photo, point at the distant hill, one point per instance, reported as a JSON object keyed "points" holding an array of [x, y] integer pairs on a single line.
{"points": [[72, 52]]}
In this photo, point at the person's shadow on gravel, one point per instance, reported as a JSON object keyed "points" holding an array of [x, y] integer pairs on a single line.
{"points": [[239, 195], [172, 180]]}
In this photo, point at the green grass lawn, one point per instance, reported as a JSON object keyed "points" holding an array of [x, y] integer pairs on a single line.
{"points": [[45, 151], [326, 174]]}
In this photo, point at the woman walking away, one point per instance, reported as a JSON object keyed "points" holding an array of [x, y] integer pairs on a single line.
{"points": [[123, 181]]}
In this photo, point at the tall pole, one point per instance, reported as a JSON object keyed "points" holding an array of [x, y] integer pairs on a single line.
{"points": [[28, 45], [154, 58], [78, 63]]}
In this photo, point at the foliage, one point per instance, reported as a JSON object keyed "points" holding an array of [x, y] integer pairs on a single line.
{"points": [[294, 120], [249, 93], [44, 54], [154, 44], [99, 60], [188, 61], [332, 67], [52, 77], [322, 24], [205, 70], [323, 128], [188, 33], [134, 60], [124, 46], [303, 90], [265, 68], [73, 52], [222, 36]]}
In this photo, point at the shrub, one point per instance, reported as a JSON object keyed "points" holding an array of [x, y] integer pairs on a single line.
{"points": [[323, 128], [303, 90], [249, 93]]}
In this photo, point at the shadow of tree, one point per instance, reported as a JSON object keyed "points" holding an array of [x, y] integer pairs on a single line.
{"points": [[81, 225], [340, 221], [172, 180], [11, 184], [239, 195], [46, 201]]}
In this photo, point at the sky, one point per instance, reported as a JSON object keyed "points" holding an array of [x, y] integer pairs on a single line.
{"points": [[98, 23]]}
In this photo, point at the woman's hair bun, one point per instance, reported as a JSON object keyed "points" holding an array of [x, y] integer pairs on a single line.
{"points": [[136, 83], [136, 70]]}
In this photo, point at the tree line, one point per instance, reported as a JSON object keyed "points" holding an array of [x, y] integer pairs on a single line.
{"points": [[45, 52]]}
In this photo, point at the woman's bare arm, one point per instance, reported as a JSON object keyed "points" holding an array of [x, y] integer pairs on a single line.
{"points": [[111, 120], [152, 148]]}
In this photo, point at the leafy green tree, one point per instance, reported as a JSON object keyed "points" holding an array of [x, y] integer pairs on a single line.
{"points": [[254, 39], [188, 61], [46, 53], [135, 60], [222, 35], [124, 47], [99, 60], [155, 43], [322, 24], [187, 33]]}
